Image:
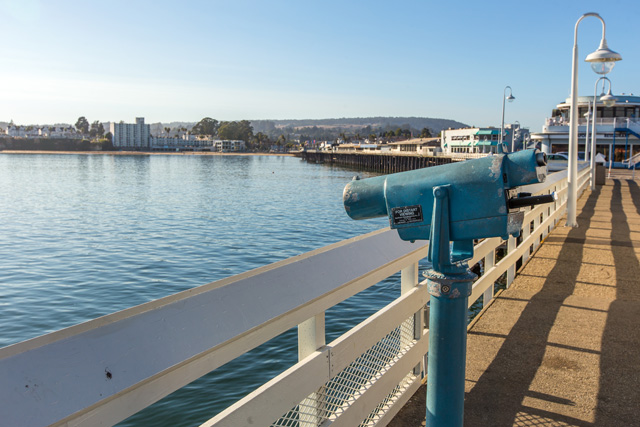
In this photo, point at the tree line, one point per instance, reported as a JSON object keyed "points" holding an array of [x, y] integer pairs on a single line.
{"points": [[287, 137], [240, 130]]}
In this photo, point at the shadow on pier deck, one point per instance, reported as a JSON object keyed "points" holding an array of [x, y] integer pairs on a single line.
{"points": [[561, 346]]}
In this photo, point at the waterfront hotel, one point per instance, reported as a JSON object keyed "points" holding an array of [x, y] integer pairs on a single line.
{"points": [[131, 135]]}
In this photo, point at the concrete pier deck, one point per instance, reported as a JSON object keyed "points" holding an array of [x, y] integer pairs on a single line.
{"points": [[561, 346]]}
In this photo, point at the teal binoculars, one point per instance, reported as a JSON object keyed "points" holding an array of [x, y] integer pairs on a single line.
{"points": [[483, 200]]}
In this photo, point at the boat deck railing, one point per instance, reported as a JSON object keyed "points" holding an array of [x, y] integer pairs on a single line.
{"points": [[620, 122], [105, 370]]}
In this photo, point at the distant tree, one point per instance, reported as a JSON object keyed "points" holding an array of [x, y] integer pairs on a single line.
{"points": [[206, 126], [241, 130], [167, 130], [82, 125], [97, 129], [260, 142], [109, 137], [425, 133]]}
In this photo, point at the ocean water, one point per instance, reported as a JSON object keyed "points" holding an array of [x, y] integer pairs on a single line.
{"points": [[82, 236]]}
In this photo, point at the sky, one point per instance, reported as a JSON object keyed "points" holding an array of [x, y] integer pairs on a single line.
{"points": [[303, 59]]}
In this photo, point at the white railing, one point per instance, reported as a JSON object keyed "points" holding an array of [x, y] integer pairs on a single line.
{"points": [[632, 162], [102, 371], [463, 156], [621, 122]]}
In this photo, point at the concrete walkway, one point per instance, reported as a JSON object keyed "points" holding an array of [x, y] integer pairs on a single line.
{"points": [[561, 346]]}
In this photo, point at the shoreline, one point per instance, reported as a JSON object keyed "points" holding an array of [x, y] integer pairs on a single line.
{"points": [[143, 153]]}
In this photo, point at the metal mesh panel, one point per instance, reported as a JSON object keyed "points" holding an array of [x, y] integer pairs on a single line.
{"points": [[335, 396]]}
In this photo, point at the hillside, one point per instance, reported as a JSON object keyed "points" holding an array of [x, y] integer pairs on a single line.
{"points": [[382, 123]]}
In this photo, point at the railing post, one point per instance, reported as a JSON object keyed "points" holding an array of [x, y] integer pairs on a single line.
{"points": [[526, 232], [536, 226], [311, 336], [511, 272], [489, 262], [409, 280]]}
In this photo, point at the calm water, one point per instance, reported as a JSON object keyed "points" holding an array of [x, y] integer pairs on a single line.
{"points": [[84, 236]]}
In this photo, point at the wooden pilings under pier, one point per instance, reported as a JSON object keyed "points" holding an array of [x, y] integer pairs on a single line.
{"points": [[384, 163]]}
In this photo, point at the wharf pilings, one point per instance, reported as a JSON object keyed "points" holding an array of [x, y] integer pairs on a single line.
{"points": [[384, 163]]}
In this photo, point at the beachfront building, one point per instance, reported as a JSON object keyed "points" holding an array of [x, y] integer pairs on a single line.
{"points": [[59, 132], [185, 142], [229, 146], [480, 141], [194, 143], [617, 127], [14, 131], [421, 146], [131, 135]]}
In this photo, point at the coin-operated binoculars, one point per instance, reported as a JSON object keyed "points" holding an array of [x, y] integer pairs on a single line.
{"points": [[458, 203]]}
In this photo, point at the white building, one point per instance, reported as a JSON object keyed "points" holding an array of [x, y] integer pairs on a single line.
{"points": [[229, 146], [59, 132], [478, 141], [131, 135], [22, 131], [617, 128], [421, 146], [194, 143]]}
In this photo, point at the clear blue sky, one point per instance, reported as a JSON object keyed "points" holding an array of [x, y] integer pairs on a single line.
{"points": [[250, 59]]}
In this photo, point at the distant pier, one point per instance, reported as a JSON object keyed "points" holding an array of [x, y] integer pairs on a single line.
{"points": [[378, 162]]}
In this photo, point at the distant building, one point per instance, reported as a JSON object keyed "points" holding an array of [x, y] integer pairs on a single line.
{"points": [[481, 141], [131, 135], [422, 146], [194, 143], [22, 131], [229, 146]]}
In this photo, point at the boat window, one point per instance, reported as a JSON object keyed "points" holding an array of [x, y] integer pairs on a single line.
{"points": [[608, 112], [619, 112]]}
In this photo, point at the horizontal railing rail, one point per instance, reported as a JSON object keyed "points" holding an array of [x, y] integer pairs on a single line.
{"points": [[102, 371]]}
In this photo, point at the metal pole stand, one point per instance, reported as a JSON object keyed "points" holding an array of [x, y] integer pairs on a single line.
{"points": [[449, 283]]}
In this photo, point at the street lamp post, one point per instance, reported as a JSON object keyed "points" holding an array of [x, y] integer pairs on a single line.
{"points": [[587, 116], [509, 98], [603, 60], [608, 100], [515, 134]]}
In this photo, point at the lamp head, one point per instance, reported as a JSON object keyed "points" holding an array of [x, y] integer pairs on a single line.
{"points": [[608, 100], [603, 59], [510, 98]]}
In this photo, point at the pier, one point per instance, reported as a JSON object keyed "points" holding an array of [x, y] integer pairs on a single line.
{"points": [[559, 347], [384, 163]]}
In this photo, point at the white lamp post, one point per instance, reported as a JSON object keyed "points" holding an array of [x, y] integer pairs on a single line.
{"points": [[602, 61], [509, 98], [587, 116], [608, 100], [515, 134]]}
